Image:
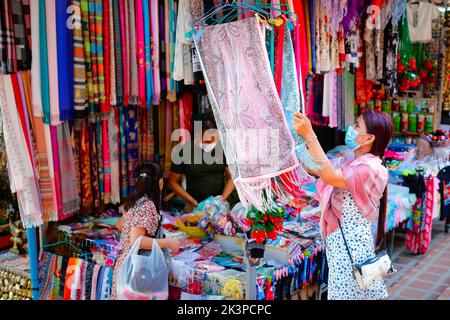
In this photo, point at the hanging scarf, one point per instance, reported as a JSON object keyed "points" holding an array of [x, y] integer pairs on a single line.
{"points": [[123, 154], [155, 38], [9, 61], [278, 61], [148, 54], [171, 95], [21, 172], [112, 54], [250, 73], [85, 166], [98, 141], [45, 185], [65, 61], [77, 156], [118, 53], [56, 281], [167, 135], [106, 101], [79, 66], [57, 171], [94, 56], [290, 100], [161, 128], [36, 61], [308, 35], [95, 273], [186, 111], [312, 35], [69, 188], [123, 37], [23, 52], [44, 76], [151, 136], [114, 156], [94, 165], [87, 52], [106, 162], [49, 148], [163, 41], [52, 59], [88, 282], [100, 53], [132, 146], [140, 51], [134, 80]]}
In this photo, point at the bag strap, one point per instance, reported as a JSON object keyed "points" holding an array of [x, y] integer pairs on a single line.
{"points": [[345, 242]]}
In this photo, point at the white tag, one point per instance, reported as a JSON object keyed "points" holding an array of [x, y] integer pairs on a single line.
{"points": [[196, 67]]}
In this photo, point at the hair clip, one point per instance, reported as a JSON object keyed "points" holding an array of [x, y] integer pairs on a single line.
{"points": [[143, 175]]}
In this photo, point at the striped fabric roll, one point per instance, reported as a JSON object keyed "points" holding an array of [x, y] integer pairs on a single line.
{"points": [[100, 57], [93, 41], [87, 51], [79, 68]]}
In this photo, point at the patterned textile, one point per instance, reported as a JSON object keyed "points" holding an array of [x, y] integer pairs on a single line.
{"points": [[155, 51], [88, 281], [87, 52], [113, 138], [81, 128], [238, 76], [140, 51], [118, 53], [112, 54], [94, 165], [132, 146], [106, 162], [134, 80], [7, 39], [47, 263], [124, 38], [21, 170], [94, 55], [23, 50], [123, 154], [100, 53], [148, 55], [69, 187], [98, 141], [56, 282], [79, 66], [36, 61], [106, 105]]}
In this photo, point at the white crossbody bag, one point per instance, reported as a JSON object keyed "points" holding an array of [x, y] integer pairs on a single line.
{"points": [[366, 272]]}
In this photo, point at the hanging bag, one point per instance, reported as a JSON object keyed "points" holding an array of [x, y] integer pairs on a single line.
{"points": [[371, 269], [144, 277]]}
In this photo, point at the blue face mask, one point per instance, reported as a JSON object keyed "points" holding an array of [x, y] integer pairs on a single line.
{"points": [[350, 138]]}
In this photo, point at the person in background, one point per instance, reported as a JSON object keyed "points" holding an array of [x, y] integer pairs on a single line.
{"points": [[353, 196], [142, 218], [203, 178]]}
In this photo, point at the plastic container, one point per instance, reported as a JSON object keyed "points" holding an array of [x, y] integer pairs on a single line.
{"points": [[396, 119], [412, 122], [421, 123], [410, 105], [403, 106], [404, 122], [386, 106], [429, 123]]}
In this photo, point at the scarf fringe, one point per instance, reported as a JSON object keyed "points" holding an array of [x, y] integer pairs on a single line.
{"points": [[31, 221], [71, 206], [265, 193]]}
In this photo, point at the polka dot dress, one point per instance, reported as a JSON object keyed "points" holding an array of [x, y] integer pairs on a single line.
{"points": [[357, 230]]}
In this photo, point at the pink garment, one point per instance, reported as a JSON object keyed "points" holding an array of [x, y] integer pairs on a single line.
{"points": [[56, 167], [106, 162], [52, 59], [155, 56], [365, 178], [126, 84], [140, 51]]}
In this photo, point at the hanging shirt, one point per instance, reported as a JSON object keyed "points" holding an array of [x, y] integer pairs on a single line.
{"points": [[420, 18]]}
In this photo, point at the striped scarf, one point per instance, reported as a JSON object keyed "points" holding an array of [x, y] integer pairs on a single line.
{"points": [[94, 60], [106, 106], [87, 52], [79, 66], [118, 53], [100, 53]]}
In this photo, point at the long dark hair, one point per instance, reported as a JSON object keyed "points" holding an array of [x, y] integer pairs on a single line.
{"points": [[149, 174], [380, 125]]}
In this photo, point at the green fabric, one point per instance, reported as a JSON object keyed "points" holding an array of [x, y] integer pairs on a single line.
{"points": [[45, 89], [349, 98], [202, 180]]}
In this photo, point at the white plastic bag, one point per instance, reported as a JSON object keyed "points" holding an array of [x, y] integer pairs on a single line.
{"points": [[144, 277]]}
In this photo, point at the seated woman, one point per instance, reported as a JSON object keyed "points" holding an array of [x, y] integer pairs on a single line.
{"points": [[205, 176], [142, 218]]}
